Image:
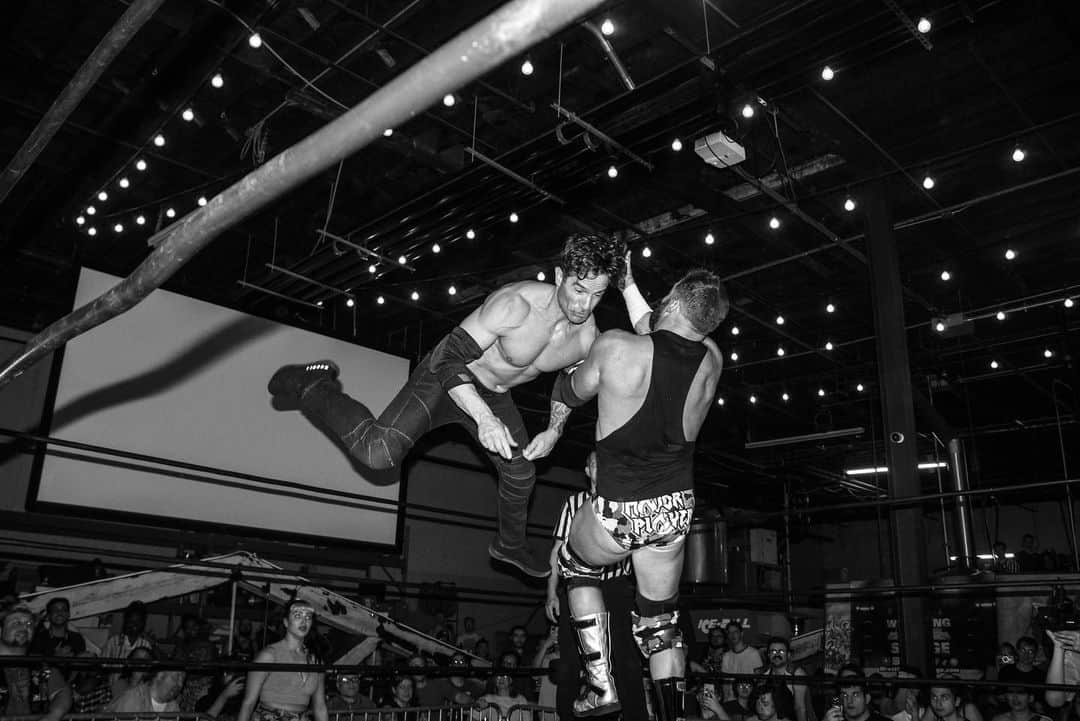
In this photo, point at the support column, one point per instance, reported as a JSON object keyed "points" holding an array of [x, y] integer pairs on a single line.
{"points": [[898, 411]]}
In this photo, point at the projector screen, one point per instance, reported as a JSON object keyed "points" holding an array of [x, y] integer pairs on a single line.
{"points": [[180, 379]]}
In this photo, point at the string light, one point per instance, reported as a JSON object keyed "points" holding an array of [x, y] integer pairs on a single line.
{"points": [[827, 73], [541, 276], [91, 230], [612, 172], [103, 196], [928, 182], [1000, 315], [860, 387], [646, 252], [140, 220], [371, 269], [1069, 303], [607, 27], [676, 145], [140, 165], [388, 132], [90, 210], [449, 100], [1018, 154], [785, 397], [1048, 353], [780, 351], [188, 115], [436, 248], [159, 140], [452, 290], [255, 41], [735, 330], [779, 320], [939, 327], [828, 345], [753, 398], [201, 201], [734, 356], [709, 239], [81, 220], [415, 296], [402, 260], [217, 81], [124, 183], [1010, 254], [924, 25], [319, 303], [170, 213], [821, 392], [774, 222], [748, 111], [849, 204], [118, 228], [946, 275], [720, 401], [994, 364], [513, 217], [470, 234], [527, 67], [380, 300], [830, 308], [349, 303]]}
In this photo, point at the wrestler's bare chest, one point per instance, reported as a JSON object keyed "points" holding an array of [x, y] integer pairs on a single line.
{"points": [[540, 345]]}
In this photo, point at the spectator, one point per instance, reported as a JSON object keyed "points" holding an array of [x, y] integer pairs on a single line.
{"points": [[548, 652], [519, 637], [779, 665], [29, 691], [464, 691], [502, 699], [1024, 670], [197, 651], [949, 701], [348, 696], [57, 639], [286, 695], [225, 697], [244, 647], [1029, 560], [428, 691], [1020, 702], [1064, 667], [765, 706], [740, 708], [907, 702], [159, 695], [739, 657], [714, 651], [482, 649], [132, 634], [130, 677], [401, 694], [187, 633], [1002, 563], [90, 689], [468, 639], [854, 698]]}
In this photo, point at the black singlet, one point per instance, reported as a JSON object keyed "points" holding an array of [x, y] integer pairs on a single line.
{"points": [[649, 455]]}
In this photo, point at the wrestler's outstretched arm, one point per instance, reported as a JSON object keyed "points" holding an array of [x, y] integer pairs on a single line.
{"points": [[636, 306], [501, 312], [544, 441]]}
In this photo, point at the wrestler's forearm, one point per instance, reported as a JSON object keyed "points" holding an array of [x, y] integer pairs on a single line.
{"points": [[637, 308], [558, 415], [468, 399]]}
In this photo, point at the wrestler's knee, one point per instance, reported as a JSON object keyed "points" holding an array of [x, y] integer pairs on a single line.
{"points": [[517, 472], [656, 625], [375, 446]]}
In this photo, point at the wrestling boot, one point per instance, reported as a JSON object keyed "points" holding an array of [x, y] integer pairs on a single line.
{"points": [[291, 383], [520, 558], [598, 697], [670, 699]]}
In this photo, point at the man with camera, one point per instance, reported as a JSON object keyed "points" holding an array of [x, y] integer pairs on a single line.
{"points": [[852, 702]]}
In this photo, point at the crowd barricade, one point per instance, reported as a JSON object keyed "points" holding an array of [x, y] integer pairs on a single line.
{"points": [[107, 716], [472, 712]]}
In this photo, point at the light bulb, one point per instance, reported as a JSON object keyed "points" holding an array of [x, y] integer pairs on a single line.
{"points": [[436, 248], [676, 145], [928, 182], [1018, 154], [217, 81], [527, 67], [513, 217], [827, 73], [994, 364], [388, 132], [828, 345], [607, 27], [449, 100], [720, 401], [188, 115], [785, 397], [90, 210], [380, 300], [748, 111], [470, 234], [201, 201], [780, 351], [753, 398], [371, 269], [779, 320], [1069, 303], [124, 183], [849, 204], [709, 239], [646, 252], [255, 41], [402, 260], [1048, 353], [159, 140], [612, 172], [541, 276], [946, 275], [91, 230], [774, 222], [924, 25], [1000, 315], [81, 220], [452, 290], [734, 356], [140, 165], [103, 196], [349, 302], [415, 295], [734, 330], [821, 392], [939, 327], [170, 213], [860, 387], [830, 308], [1010, 254], [318, 304], [140, 220], [119, 228]]}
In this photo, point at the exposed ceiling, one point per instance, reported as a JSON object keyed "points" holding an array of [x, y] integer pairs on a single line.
{"points": [[954, 104]]}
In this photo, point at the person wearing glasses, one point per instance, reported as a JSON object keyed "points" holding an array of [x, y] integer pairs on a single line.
{"points": [[778, 663], [23, 690]]}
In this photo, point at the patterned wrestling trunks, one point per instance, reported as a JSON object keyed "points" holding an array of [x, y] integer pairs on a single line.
{"points": [[658, 522], [269, 713]]}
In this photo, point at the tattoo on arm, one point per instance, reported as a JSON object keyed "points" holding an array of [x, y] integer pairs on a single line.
{"points": [[559, 413]]}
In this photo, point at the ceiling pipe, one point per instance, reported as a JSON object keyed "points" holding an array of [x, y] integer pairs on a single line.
{"points": [[610, 52], [510, 30], [69, 98]]}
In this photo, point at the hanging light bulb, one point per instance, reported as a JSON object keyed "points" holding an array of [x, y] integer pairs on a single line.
{"points": [[779, 320], [735, 330], [1018, 154], [646, 252], [541, 276], [380, 300], [415, 296], [1000, 315], [255, 41], [830, 308], [928, 182], [170, 213], [1069, 303], [201, 201], [103, 196], [994, 364], [527, 67], [785, 397], [821, 392], [780, 351], [217, 81], [748, 111], [734, 356], [709, 239], [124, 183], [402, 260], [449, 100], [924, 25], [159, 140], [720, 401], [612, 172], [513, 217], [860, 387], [436, 248], [939, 327], [140, 220], [607, 27], [90, 210], [91, 230], [753, 398], [188, 115], [828, 345], [371, 268], [452, 290], [946, 275], [1010, 254], [349, 303], [82, 220], [1048, 353], [774, 222], [118, 228], [676, 145], [318, 304], [140, 165], [849, 204], [827, 73], [388, 132], [470, 234]]}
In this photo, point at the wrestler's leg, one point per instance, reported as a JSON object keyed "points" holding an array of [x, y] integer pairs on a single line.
{"points": [[378, 443], [657, 623], [626, 661]]}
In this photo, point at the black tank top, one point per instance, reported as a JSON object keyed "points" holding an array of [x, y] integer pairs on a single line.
{"points": [[649, 455]]}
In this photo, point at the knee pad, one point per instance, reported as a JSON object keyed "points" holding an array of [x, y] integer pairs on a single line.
{"points": [[575, 570], [656, 625]]}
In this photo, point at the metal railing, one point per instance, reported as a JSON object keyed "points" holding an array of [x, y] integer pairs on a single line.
{"points": [[471, 712]]}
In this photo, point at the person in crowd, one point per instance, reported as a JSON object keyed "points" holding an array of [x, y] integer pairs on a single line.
{"points": [[1028, 559], [464, 691], [401, 694], [710, 661], [778, 664], [197, 650], [1024, 670], [482, 649], [158, 695], [57, 639], [764, 703], [948, 702], [520, 686], [468, 637], [907, 703], [225, 697], [740, 707], [547, 652], [519, 639], [500, 700], [709, 703], [187, 632], [244, 647], [853, 697], [90, 688], [286, 695], [1002, 562], [132, 633], [428, 691], [740, 657], [131, 677], [348, 696], [1064, 666], [1021, 706], [25, 691]]}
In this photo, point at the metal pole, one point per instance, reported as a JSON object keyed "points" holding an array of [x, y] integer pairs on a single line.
{"points": [[788, 592], [1065, 474], [962, 515], [502, 35], [69, 98], [611, 54], [232, 618]]}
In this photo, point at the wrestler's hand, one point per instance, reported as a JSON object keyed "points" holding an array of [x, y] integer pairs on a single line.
{"points": [[1067, 640], [627, 279], [495, 436], [551, 608], [541, 444]]}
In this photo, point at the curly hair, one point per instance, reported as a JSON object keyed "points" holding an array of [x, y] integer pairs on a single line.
{"points": [[705, 304], [587, 254]]}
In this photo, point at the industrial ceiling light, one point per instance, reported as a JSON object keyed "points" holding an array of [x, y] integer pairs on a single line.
{"points": [[402, 260], [748, 111], [1000, 315], [780, 351], [607, 27], [452, 290], [470, 234], [827, 73], [255, 41], [785, 397], [924, 25], [449, 100], [946, 275], [318, 304], [140, 220], [380, 300], [939, 326], [1018, 154], [830, 308], [1069, 303], [91, 230], [1048, 353], [513, 217], [1010, 254], [140, 165], [90, 210], [415, 296], [388, 132], [81, 220], [734, 330], [350, 303], [646, 252], [774, 222], [436, 248], [753, 398], [928, 182], [828, 345], [734, 356], [849, 204], [720, 401], [676, 145], [217, 81], [612, 172], [201, 201], [709, 239], [860, 387], [541, 276], [119, 228], [103, 196], [779, 320], [527, 67], [821, 392], [994, 364], [188, 115], [170, 213], [371, 269], [159, 140], [124, 183]]}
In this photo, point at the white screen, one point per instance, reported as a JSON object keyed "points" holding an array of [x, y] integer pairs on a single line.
{"points": [[185, 380]]}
